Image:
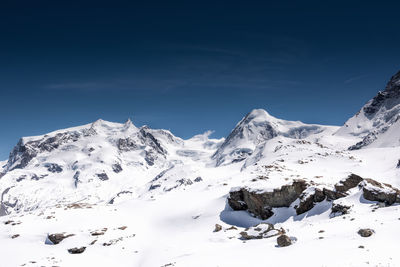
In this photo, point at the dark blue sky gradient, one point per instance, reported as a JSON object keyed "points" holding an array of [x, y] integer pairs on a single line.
{"points": [[189, 67]]}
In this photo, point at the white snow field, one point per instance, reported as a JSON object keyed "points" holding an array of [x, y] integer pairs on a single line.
{"points": [[121, 195]]}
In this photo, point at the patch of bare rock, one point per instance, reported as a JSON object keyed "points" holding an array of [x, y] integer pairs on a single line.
{"points": [[261, 203]]}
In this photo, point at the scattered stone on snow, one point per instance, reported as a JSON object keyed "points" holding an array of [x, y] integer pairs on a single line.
{"points": [[76, 250], [366, 232], [57, 238], [217, 228], [262, 230], [283, 241]]}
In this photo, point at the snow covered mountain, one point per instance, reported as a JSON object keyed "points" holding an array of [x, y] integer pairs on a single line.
{"points": [[112, 194], [378, 121]]}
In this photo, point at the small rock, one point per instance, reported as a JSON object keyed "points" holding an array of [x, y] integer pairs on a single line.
{"points": [[15, 236], [76, 250], [365, 232], [198, 179], [284, 241], [360, 246], [122, 227], [217, 228], [321, 231]]}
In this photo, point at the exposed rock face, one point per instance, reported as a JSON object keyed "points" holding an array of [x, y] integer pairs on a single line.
{"points": [[350, 182], [57, 238], [375, 191], [398, 165], [365, 232], [53, 167], [262, 230], [379, 116], [24, 152], [308, 199], [102, 176], [284, 241], [76, 250], [261, 203], [117, 168]]}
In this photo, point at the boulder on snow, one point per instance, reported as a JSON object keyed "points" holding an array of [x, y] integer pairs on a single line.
{"points": [[261, 203], [340, 209], [366, 232], [262, 230], [57, 238], [76, 250], [376, 191], [283, 241], [398, 166], [102, 176], [217, 228]]}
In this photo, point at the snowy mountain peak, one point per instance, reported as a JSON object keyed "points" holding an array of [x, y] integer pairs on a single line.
{"points": [[254, 129], [377, 118]]}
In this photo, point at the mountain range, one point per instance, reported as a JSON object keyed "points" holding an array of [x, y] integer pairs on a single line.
{"points": [[123, 195]]}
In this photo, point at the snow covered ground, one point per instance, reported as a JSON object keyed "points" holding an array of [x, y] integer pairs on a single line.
{"points": [[133, 196]]}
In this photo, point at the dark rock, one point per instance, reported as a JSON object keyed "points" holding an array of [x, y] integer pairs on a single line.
{"points": [[15, 236], [350, 182], [76, 250], [340, 209], [53, 167], [365, 232], [308, 200], [236, 200], [99, 232], [284, 241], [217, 228], [198, 179], [375, 191], [102, 176], [332, 194], [261, 203], [398, 164], [57, 238], [116, 168], [76, 178]]}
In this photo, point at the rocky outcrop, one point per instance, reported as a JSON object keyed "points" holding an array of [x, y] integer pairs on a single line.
{"points": [[375, 191], [308, 199], [261, 203], [350, 182]]}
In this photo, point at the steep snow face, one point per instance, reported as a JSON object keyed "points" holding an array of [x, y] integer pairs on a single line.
{"points": [[376, 117], [256, 128]]}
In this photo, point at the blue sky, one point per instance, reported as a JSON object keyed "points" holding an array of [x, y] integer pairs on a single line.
{"points": [[189, 67]]}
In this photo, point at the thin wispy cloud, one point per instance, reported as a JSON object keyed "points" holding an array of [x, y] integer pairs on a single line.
{"points": [[355, 78]]}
